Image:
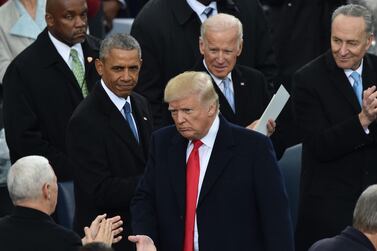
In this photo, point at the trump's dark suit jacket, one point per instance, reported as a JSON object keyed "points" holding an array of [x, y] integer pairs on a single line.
{"points": [[40, 95], [168, 32], [29, 229], [108, 160], [339, 158], [242, 204]]}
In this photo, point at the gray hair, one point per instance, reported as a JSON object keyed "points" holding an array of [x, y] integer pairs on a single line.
{"points": [[356, 10], [365, 213], [221, 22], [118, 41], [27, 176], [191, 83]]}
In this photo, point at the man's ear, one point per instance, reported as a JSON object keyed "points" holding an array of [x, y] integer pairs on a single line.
{"points": [[240, 48], [99, 66], [212, 109], [46, 191], [49, 20], [201, 45]]}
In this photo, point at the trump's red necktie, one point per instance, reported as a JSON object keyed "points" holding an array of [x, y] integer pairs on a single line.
{"points": [[192, 180]]}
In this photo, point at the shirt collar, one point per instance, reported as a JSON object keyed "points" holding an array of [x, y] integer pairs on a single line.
{"points": [[64, 50], [198, 8], [209, 139], [359, 70], [216, 79], [117, 101]]}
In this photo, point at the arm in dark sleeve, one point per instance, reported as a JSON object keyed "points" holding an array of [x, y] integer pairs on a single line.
{"points": [[23, 129], [272, 200]]}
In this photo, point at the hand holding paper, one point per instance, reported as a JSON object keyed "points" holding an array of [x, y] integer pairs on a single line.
{"points": [[273, 109]]}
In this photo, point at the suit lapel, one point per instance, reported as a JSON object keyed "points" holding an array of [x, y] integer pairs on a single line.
{"points": [[241, 94], [369, 75], [177, 166], [117, 122], [142, 123], [340, 81], [221, 156], [225, 108], [52, 59], [89, 58]]}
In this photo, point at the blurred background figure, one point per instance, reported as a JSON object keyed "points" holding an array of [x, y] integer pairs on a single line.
{"points": [[21, 22], [372, 5]]}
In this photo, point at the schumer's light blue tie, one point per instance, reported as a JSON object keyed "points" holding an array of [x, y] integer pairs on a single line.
{"points": [[228, 92], [128, 114], [357, 86], [78, 71]]}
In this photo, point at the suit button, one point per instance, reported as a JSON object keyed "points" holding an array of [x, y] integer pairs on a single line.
{"points": [[181, 217], [289, 4], [366, 173]]}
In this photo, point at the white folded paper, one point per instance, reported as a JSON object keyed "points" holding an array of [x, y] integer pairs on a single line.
{"points": [[273, 109]]}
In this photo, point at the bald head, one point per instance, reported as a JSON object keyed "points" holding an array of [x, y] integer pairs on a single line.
{"points": [[67, 20]]}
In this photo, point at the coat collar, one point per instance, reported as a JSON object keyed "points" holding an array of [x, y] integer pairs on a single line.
{"points": [[340, 80], [118, 123], [220, 158], [51, 58], [25, 25]]}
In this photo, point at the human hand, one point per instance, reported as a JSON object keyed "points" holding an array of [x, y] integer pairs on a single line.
{"points": [[271, 126], [368, 112], [104, 234], [253, 125], [143, 242], [116, 228]]}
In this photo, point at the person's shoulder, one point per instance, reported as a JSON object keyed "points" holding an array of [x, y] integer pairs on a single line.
{"points": [[372, 58], [318, 64], [62, 237], [150, 10], [331, 244], [139, 97], [164, 134], [93, 42], [248, 71], [243, 134]]}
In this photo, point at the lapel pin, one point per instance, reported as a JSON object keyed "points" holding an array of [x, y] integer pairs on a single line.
{"points": [[242, 83], [145, 118], [90, 59]]}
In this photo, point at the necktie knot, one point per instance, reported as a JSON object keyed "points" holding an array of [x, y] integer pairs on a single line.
{"points": [[197, 144], [356, 76], [74, 54], [127, 108], [208, 11]]}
